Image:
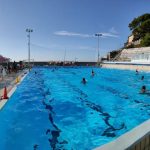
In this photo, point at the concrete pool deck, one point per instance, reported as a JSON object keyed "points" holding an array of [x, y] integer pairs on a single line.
{"points": [[136, 139], [10, 82]]}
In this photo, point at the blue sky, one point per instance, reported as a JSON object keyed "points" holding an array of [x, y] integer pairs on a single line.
{"points": [[69, 25]]}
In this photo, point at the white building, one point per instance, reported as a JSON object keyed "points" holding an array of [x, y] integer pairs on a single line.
{"points": [[139, 55]]}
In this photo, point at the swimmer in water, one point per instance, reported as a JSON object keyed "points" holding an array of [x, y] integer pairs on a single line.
{"points": [[137, 72], [35, 72], [143, 89], [93, 73], [142, 78], [83, 81]]}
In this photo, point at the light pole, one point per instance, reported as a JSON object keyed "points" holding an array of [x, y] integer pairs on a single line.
{"points": [[75, 60], [64, 58], [98, 35], [29, 31]]}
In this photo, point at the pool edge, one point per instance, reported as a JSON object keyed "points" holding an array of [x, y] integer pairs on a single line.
{"points": [[128, 139], [12, 90]]}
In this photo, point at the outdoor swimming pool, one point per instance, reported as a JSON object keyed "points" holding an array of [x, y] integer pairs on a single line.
{"points": [[53, 110]]}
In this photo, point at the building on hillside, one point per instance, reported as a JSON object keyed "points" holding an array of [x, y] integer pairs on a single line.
{"points": [[105, 58], [113, 54], [138, 55]]}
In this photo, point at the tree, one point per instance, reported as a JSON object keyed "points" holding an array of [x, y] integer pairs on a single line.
{"points": [[146, 40], [140, 26], [136, 22]]}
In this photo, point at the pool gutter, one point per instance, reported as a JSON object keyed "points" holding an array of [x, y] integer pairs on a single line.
{"points": [[130, 140], [12, 89]]}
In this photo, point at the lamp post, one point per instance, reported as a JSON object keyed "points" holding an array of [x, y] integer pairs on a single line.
{"points": [[98, 35], [64, 58], [29, 31], [75, 60]]}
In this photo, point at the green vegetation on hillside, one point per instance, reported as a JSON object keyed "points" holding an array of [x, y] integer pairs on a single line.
{"points": [[146, 40], [140, 28]]}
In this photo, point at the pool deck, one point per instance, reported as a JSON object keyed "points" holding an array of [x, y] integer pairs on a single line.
{"points": [[10, 82], [132, 140]]}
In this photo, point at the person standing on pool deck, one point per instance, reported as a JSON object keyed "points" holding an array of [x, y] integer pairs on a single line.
{"points": [[14, 66]]}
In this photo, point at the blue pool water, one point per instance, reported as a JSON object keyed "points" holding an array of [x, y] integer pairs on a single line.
{"points": [[52, 110]]}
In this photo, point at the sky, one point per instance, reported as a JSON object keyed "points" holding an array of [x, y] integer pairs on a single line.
{"points": [[66, 25]]}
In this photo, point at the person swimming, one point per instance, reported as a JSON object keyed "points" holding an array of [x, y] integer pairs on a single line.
{"points": [[137, 72], [143, 89], [142, 78], [93, 73], [83, 81]]}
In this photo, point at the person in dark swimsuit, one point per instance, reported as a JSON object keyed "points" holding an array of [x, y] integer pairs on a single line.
{"points": [[143, 89], [83, 81], [142, 78], [93, 73], [137, 72]]}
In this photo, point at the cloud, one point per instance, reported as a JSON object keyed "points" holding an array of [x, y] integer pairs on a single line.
{"points": [[113, 30], [73, 34], [109, 35], [66, 33]]}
